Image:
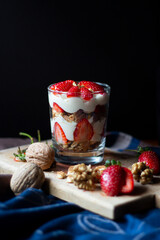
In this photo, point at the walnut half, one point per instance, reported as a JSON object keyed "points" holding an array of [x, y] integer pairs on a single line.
{"points": [[142, 173]]}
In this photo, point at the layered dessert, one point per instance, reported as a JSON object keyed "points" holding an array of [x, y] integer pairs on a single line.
{"points": [[78, 114]]}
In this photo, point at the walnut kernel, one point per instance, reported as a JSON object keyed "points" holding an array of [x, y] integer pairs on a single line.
{"points": [[142, 173], [61, 175]]}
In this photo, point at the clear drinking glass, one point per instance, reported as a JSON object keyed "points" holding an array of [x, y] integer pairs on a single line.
{"points": [[78, 126]]}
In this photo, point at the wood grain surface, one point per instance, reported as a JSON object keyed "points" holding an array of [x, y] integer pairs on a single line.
{"points": [[142, 197]]}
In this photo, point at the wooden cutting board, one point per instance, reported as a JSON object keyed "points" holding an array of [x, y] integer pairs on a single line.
{"points": [[143, 196]]}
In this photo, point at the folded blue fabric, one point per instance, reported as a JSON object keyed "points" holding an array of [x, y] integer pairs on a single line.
{"points": [[35, 215], [119, 141]]}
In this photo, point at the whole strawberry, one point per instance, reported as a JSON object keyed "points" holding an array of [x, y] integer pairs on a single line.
{"points": [[116, 180], [151, 159], [111, 179]]}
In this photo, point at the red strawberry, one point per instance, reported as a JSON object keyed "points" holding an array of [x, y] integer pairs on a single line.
{"points": [[53, 87], [63, 86], [111, 180], [59, 134], [116, 179], [83, 131], [92, 86], [151, 159], [128, 181], [16, 159], [73, 92], [57, 108], [86, 94]]}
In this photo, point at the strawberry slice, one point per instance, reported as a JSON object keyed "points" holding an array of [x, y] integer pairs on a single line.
{"points": [[73, 92], [59, 134], [63, 86], [111, 179], [92, 86], [128, 182], [86, 94], [57, 108], [83, 131], [53, 87]]}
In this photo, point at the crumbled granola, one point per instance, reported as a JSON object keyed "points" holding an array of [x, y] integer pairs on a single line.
{"points": [[68, 117], [76, 117], [55, 113], [79, 146]]}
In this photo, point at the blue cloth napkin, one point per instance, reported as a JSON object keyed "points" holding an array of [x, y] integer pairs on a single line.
{"points": [[35, 215]]}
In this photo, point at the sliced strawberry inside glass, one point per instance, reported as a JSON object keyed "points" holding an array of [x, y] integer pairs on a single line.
{"points": [[73, 92], [53, 87], [63, 86], [59, 134], [57, 108], [86, 94], [92, 86], [83, 131]]}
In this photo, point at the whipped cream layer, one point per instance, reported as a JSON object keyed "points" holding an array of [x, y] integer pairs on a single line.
{"points": [[69, 127], [73, 104]]}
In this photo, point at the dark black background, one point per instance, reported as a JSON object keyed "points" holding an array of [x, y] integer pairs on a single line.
{"points": [[43, 42]]}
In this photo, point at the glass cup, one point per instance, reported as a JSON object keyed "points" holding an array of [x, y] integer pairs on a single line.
{"points": [[78, 126]]}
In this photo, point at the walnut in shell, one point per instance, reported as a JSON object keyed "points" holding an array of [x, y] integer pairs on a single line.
{"points": [[29, 175], [41, 154]]}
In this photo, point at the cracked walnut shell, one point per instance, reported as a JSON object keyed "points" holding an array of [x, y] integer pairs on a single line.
{"points": [[41, 154], [29, 175]]}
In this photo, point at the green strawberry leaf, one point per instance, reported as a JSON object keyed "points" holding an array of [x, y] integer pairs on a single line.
{"points": [[20, 154], [112, 162]]}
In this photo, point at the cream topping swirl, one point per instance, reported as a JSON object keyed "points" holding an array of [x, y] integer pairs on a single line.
{"points": [[73, 104]]}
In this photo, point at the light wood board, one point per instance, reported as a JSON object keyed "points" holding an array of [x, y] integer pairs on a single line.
{"points": [[143, 196]]}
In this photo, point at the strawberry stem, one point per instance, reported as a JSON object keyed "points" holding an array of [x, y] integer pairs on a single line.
{"points": [[139, 150]]}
